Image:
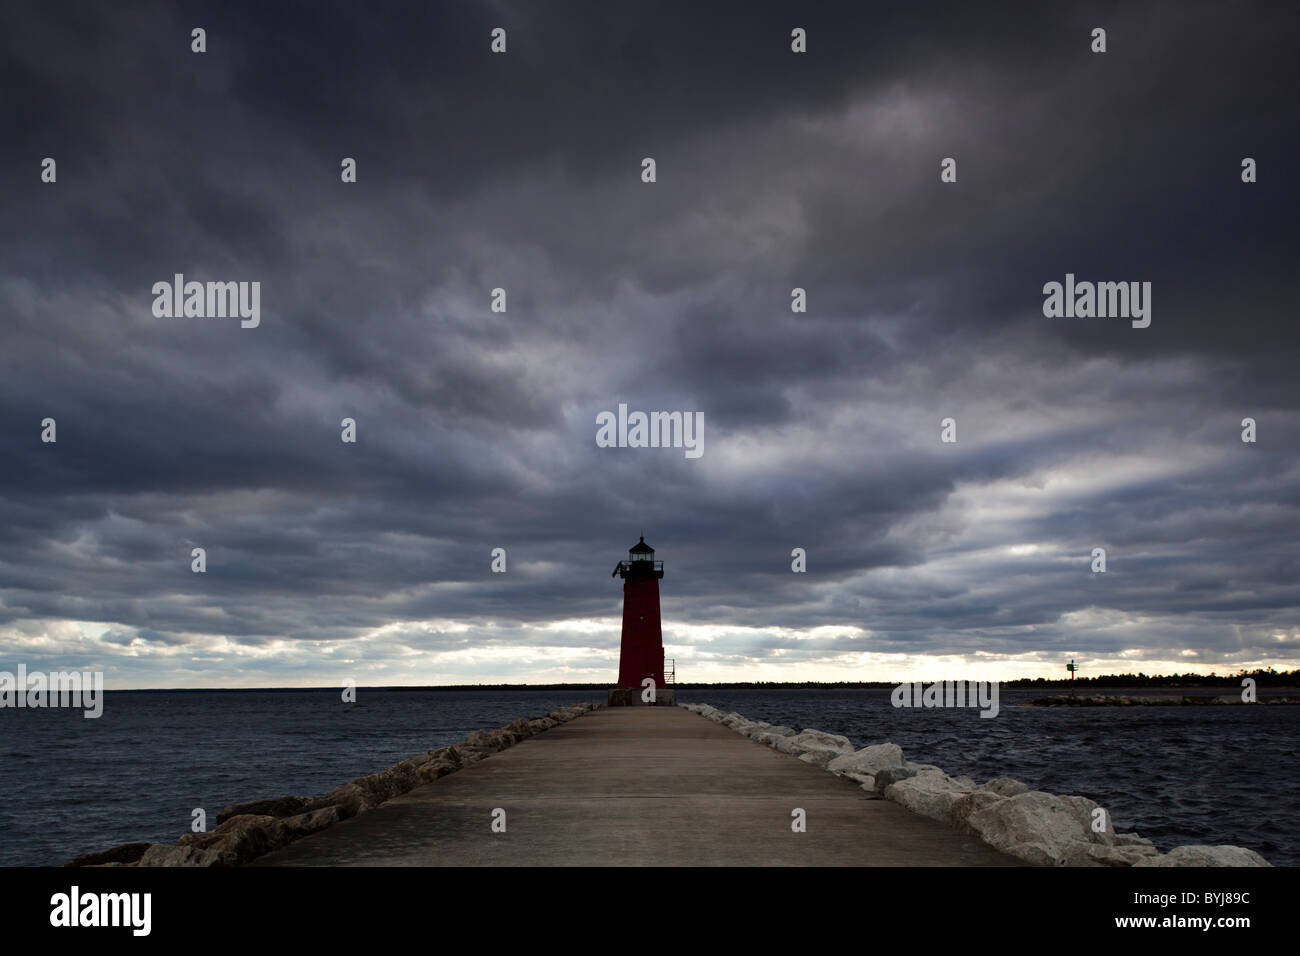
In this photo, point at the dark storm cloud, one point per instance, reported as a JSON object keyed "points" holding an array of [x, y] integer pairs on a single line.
{"points": [[476, 430]]}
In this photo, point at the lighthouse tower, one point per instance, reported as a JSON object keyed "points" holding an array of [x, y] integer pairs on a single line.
{"points": [[642, 653]]}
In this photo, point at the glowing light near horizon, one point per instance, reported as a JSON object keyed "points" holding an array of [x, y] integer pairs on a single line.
{"points": [[408, 653]]}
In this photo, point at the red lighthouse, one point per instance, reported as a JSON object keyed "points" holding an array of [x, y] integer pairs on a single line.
{"points": [[642, 654]]}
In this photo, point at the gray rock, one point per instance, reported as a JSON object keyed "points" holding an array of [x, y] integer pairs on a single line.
{"points": [[521, 729], [1005, 787], [818, 758], [1095, 854], [1083, 808], [1034, 826], [781, 742], [162, 854], [288, 829], [490, 741], [819, 742], [276, 807], [929, 794], [961, 809], [1131, 839], [923, 767], [240, 838], [121, 855], [437, 768], [868, 760], [890, 775], [1206, 856]]}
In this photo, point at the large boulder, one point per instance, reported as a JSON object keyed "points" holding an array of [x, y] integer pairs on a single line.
{"points": [[864, 766], [819, 738], [1037, 827], [121, 855], [1206, 856], [781, 742], [868, 761], [368, 792], [891, 775], [769, 735], [966, 804], [442, 762], [163, 854], [823, 745], [275, 807], [1093, 818], [929, 794], [238, 840], [887, 776], [1131, 839], [288, 829], [923, 767], [521, 729], [1004, 787], [1095, 854], [565, 714], [819, 758], [489, 741]]}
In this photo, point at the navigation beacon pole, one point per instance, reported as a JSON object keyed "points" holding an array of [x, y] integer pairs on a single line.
{"points": [[641, 656]]}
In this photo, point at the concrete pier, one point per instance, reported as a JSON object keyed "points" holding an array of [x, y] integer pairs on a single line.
{"points": [[631, 697], [639, 786]]}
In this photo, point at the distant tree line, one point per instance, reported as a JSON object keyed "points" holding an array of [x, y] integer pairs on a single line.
{"points": [[1268, 677]]}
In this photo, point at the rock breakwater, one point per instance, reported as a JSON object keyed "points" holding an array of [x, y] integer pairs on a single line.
{"points": [[1156, 700], [1040, 828], [248, 830]]}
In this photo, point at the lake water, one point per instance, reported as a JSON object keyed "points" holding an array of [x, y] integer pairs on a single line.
{"points": [[72, 786]]}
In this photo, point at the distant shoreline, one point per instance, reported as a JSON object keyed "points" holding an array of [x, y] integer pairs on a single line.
{"points": [[1159, 700], [1287, 682]]}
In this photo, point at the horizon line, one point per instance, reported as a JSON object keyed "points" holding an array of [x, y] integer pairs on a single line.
{"points": [[1114, 680]]}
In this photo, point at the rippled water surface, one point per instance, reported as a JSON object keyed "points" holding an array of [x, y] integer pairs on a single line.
{"points": [[1211, 774], [71, 786]]}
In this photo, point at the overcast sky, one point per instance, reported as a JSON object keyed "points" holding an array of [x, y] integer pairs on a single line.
{"points": [[476, 430]]}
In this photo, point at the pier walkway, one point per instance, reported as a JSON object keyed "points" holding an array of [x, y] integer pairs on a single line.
{"points": [[639, 786]]}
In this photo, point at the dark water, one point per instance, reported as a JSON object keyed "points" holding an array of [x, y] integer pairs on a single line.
{"points": [[1174, 774], [71, 786]]}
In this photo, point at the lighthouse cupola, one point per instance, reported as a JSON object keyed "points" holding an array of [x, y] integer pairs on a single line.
{"points": [[641, 560]]}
